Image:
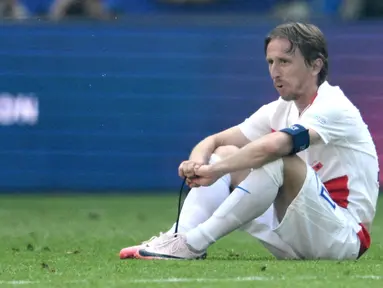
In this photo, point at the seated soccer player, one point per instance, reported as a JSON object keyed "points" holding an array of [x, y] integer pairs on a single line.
{"points": [[300, 174]]}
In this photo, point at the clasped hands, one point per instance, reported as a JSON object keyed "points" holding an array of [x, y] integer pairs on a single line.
{"points": [[197, 173]]}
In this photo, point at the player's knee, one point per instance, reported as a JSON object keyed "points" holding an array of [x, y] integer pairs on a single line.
{"points": [[294, 166], [236, 177], [294, 172], [225, 151]]}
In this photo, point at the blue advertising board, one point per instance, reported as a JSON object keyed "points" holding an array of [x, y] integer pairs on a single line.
{"points": [[114, 106]]}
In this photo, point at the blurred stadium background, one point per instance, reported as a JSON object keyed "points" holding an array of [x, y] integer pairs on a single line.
{"points": [[112, 95]]}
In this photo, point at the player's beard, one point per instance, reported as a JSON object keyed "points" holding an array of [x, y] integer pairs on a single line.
{"points": [[286, 92], [286, 95], [289, 97]]}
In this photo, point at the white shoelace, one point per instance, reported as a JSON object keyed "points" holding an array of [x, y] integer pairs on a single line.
{"points": [[153, 238], [176, 243]]}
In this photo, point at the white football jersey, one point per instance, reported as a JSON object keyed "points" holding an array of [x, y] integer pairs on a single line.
{"points": [[346, 161]]}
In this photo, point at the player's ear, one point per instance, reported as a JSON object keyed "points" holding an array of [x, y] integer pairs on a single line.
{"points": [[317, 66]]}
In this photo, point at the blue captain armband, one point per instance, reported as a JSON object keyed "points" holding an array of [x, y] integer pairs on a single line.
{"points": [[300, 136]]}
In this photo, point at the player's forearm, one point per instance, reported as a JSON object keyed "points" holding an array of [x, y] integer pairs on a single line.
{"points": [[203, 150], [256, 154]]}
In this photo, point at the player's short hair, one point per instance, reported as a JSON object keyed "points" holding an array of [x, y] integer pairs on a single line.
{"points": [[308, 38]]}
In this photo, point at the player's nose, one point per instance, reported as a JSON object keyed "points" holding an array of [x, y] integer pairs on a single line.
{"points": [[274, 72], [276, 79]]}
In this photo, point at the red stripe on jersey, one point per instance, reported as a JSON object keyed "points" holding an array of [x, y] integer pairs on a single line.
{"points": [[365, 240], [338, 189]]}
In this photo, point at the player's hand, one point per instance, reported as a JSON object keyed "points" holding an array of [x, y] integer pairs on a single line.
{"points": [[187, 169], [205, 175]]}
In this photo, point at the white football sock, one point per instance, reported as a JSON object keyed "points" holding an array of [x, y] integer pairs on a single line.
{"points": [[248, 201], [201, 202]]}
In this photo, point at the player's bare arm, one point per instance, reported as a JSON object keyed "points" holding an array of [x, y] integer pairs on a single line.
{"points": [[202, 151], [253, 155]]}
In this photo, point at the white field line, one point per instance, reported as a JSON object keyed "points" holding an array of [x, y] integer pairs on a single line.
{"points": [[192, 280]]}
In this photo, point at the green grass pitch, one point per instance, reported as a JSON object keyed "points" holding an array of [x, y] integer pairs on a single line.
{"points": [[55, 241]]}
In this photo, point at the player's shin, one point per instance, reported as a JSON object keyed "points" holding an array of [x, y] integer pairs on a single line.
{"points": [[201, 202], [248, 201]]}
